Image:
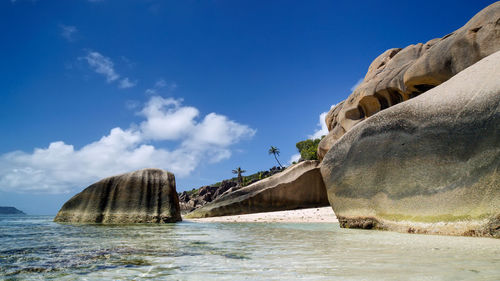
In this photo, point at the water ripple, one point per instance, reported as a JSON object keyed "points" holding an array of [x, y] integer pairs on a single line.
{"points": [[35, 248]]}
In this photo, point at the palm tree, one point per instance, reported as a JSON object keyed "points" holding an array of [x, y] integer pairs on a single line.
{"points": [[239, 171], [275, 151]]}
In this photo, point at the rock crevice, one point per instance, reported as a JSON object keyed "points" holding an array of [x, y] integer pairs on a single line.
{"points": [[428, 165]]}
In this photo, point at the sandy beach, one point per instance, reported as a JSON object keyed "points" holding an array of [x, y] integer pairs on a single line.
{"points": [[311, 215]]}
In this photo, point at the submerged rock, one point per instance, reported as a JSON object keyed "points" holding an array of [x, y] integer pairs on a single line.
{"points": [[428, 165], [144, 196], [299, 186], [398, 75]]}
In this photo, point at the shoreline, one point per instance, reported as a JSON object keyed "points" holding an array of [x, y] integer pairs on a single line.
{"points": [[309, 215]]}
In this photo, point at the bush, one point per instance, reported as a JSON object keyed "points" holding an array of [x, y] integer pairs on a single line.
{"points": [[308, 149]]}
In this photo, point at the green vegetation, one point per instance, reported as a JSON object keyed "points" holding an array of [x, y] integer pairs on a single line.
{"points": [[239, 171], [308, 149], [246, 180], [275, 151]]}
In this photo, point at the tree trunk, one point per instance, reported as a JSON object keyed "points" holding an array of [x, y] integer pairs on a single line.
{"points": [[277, 160]]}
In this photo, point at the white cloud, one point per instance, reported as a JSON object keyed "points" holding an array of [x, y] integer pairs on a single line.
{"points": [[360, 80], [68, 32], [294, 158], [102, 65], [166, 119], [105, 66], [61, 167], [151, 92], [218, 131], [322, 130], [160, 84], [125, 83]]}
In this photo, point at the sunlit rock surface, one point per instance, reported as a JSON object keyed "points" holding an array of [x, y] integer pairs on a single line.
{"points": [[428, 165], [398, 75], [144, 196], [299, 186]]}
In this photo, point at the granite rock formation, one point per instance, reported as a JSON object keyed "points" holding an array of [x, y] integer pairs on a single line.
{"points": [[428, 165], [189, 201], [298, 186], [144, 196], [398, 75], [205, 195]]}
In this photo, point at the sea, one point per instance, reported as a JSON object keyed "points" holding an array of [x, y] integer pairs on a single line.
{"points": [[36, 248]]}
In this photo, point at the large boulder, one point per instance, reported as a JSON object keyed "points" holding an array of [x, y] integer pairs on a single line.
{"points": [[398, 75], [428, 165], [144, 196], [299, 186]]}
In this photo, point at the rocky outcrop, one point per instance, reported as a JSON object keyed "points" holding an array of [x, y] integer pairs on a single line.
{"points": [[299, 186], [398, 75], [144, 196], [430, 164], [205, 195], [10, 211], [196, 198]]}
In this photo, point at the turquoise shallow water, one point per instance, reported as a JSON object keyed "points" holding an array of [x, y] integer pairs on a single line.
{"points": [[35, 248]]}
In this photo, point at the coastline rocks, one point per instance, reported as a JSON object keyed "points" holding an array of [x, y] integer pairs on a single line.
{"points": [[144, 196], [204, 195], [299, 186], [398, 75], [10, 211], [429, 165]]}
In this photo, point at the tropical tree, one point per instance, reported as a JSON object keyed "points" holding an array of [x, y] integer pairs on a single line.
{"points": [[308, 149], [275, 151], [239, 171]]}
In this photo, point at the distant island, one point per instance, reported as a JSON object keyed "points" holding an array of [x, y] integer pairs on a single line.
{"points": [[10, 211]]}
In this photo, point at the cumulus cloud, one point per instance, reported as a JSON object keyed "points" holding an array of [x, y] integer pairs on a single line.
{"points": [[322, 130], [105, 66], [60, 167], [68, 32], [166, 119]]}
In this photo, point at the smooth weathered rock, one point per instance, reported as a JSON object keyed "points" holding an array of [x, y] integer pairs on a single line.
{"points": [[398, 75], [144, 196], [428, 165], [299, 186]]}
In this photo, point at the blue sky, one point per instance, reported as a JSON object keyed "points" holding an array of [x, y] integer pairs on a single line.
{"points": [[94, 88]]}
